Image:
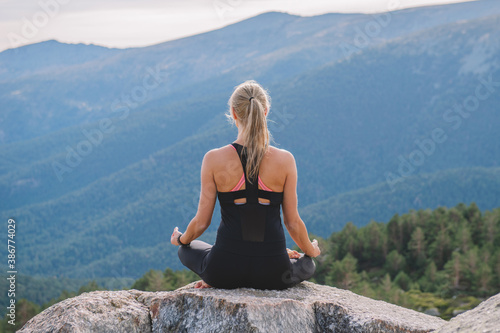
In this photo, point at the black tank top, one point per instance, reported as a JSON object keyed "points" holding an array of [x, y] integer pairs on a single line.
{"points": [[252, 228]]}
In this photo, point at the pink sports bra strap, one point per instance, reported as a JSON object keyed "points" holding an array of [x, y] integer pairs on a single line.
{"points": [[242, 181], [264, 186]]}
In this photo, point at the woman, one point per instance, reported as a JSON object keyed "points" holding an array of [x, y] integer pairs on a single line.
{"points": [[251, 180]]}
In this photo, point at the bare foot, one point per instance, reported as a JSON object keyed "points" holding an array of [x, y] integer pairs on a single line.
{"points": [[202, 284]]}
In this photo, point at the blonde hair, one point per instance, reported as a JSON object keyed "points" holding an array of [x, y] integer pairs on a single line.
{"points": [[250, 102]]}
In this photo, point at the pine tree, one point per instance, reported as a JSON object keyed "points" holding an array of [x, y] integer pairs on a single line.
{"points": [[440, 249], [402, 280], [454, 269], [344, 273], [417, 246], [484, 277], [395, 237], [471, 265], [386, 288], [463, 239], [394, 263]]}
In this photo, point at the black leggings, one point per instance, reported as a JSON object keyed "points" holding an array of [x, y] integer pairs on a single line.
{"points": [[222, 269]]}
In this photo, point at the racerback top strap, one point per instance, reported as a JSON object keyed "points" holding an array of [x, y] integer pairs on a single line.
{"points": [[252, 192]]}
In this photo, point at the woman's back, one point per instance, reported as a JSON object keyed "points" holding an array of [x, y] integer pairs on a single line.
{"points": [[250, 242], [251, 213]]}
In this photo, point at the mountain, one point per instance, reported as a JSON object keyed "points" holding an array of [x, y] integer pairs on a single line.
{"points": [[101, 158], [48, 57], [270, 47]]}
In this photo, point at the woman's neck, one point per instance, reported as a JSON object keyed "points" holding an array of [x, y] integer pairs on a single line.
{"points": [[239, 140]]}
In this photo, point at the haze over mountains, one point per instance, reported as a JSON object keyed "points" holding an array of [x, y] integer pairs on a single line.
{"points": [[101, 148]]}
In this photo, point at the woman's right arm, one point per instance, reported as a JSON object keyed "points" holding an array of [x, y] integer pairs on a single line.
{"points": [[291, 218]]}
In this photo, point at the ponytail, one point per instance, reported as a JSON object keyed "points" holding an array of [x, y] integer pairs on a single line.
{"points": [[250, 101]]}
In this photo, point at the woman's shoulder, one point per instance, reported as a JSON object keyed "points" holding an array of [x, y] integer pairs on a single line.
{"points": [[282, 154], [218, 154]]}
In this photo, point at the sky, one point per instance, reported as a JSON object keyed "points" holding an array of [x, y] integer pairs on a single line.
{"points": [[132, 23]]}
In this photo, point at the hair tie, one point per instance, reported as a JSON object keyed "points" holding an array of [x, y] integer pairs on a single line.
{"points": [[250, 99]]}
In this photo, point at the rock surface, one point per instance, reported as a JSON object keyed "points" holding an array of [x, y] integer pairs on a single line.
{"points": [[98, 311], [484, 318], [307, 307]]}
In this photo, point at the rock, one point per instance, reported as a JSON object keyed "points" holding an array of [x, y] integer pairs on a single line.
{"points": [[307, 307], [98, 311], [484, 318]]}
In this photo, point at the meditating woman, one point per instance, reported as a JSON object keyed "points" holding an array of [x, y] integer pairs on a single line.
{"points": [[252, 180]]}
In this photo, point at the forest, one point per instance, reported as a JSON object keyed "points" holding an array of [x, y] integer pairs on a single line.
{"points": [[442, 262]]}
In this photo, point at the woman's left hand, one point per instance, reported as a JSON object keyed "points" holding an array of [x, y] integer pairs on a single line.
{"points": [[175, 235], [293, 254]]}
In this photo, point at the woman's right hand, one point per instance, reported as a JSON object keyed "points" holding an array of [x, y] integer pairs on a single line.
{"points": [[175, 234], [316, 249]]}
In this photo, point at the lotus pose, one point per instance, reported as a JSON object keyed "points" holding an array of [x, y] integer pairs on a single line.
{"points": [[252, 180]]}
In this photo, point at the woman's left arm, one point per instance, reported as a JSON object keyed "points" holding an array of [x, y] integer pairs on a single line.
{"points": [[208, 196]]}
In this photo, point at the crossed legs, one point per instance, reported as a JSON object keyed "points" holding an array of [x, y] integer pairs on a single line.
{"points": [[194, 257]]}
